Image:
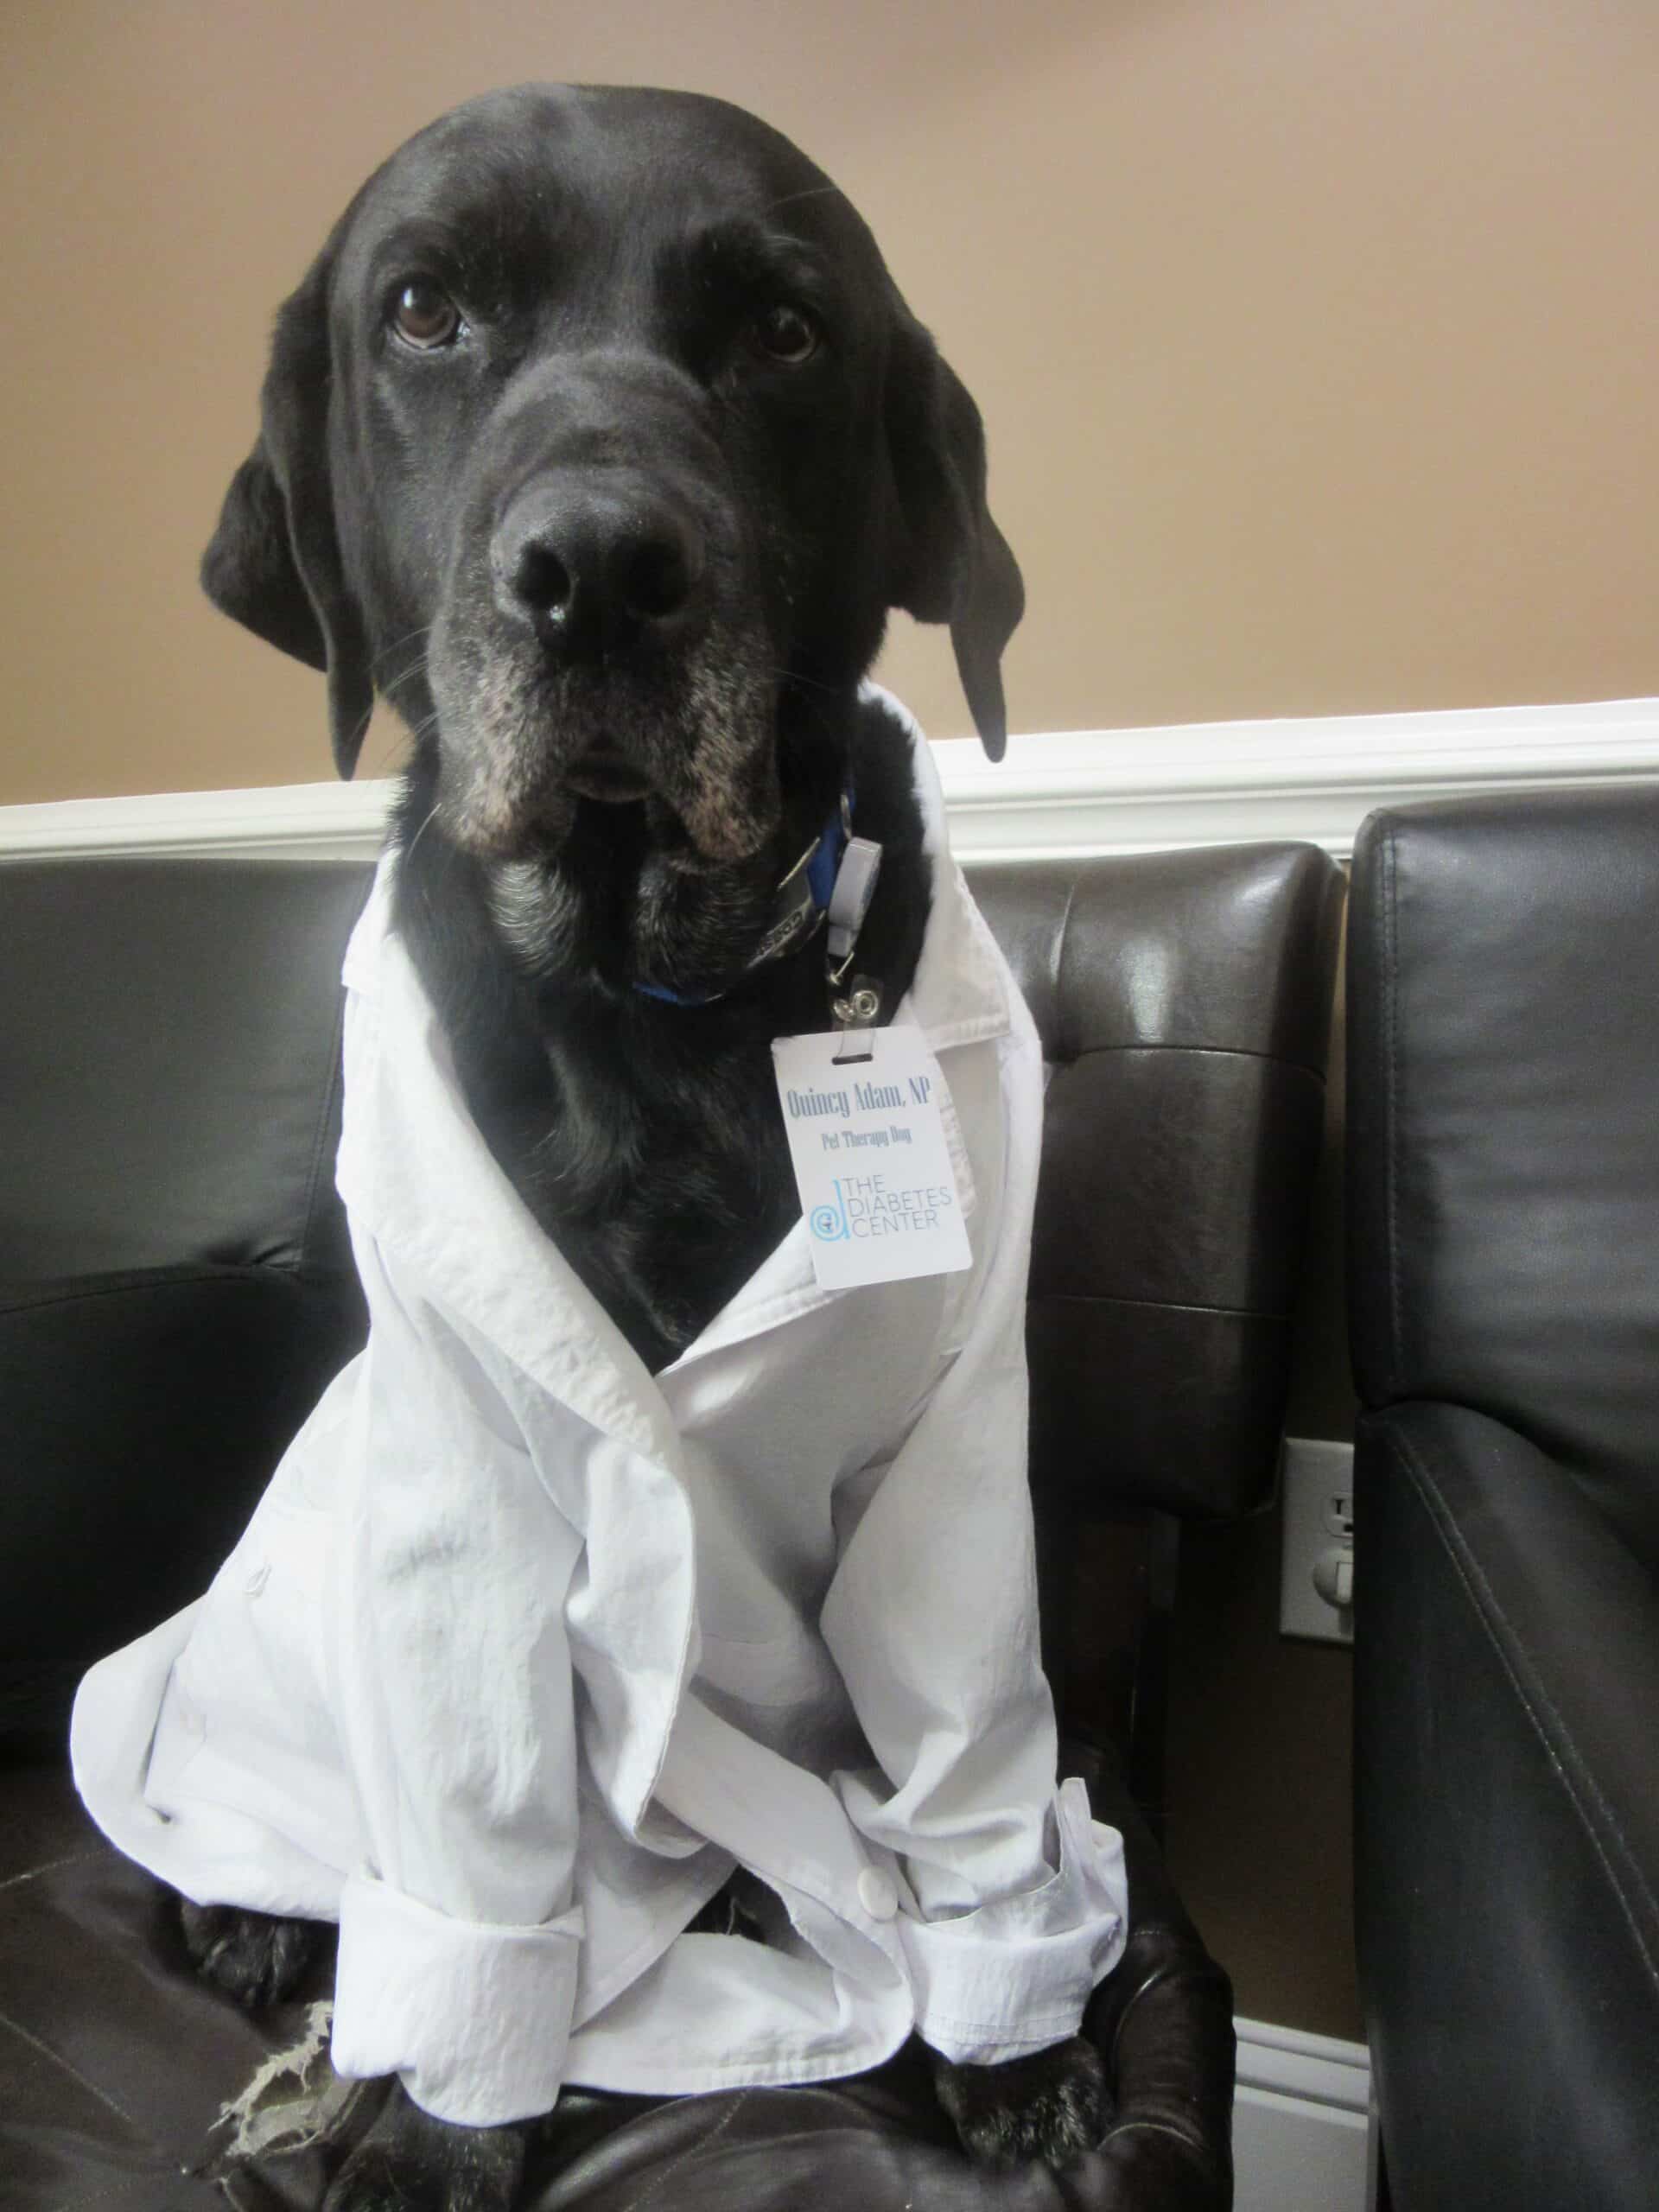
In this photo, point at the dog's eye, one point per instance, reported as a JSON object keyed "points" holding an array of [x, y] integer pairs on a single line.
{"points": [[785, 334], [423, 314]]}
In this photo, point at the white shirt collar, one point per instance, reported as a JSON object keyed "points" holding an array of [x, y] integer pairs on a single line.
{"points": [[416, 1175]]}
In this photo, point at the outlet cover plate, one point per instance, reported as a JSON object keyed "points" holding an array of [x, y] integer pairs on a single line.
{"points": [[1317, 1509]]}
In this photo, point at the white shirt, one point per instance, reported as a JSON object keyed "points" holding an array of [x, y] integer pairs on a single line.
{"points": [[525, 1649]]}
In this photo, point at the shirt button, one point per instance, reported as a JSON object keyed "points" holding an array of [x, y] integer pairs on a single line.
{"points": [[257, 1582], [876, 1894]]}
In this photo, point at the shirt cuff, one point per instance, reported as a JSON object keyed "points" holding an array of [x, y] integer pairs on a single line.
{"points": [[472, 2017], [1014, 1976]]}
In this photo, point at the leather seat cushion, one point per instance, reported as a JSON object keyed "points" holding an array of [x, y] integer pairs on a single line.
{"points": [[115, 2062]]}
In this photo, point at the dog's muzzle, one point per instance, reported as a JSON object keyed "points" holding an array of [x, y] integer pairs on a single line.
{"points": [[602, 660]]}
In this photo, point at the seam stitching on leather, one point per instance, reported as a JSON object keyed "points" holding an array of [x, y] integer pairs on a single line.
{"points": [[1201, 1052], [51, 1866], [654, 2187], [121, 2193], [1391, 942], [1191, 1972], [1279, 1314], [1195, 2144], [165, 1278], [1488, 1611], [325, 1115], [57, 2059], [1154, 1979], [1072, 1053]]}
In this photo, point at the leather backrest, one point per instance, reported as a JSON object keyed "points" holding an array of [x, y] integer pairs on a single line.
{"points": [[170, 1096], [168, 1087], [1184, 1002], [1503, 1124]]}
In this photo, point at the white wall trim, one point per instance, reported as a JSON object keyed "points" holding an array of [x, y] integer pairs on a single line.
{"points": [[287, 821], [1313, 2070], [1222, 782], [1062, 795], [1302, 2121]]}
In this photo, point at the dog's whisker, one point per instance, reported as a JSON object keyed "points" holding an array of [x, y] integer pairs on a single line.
{"points": [[425, 727], [808, 683], [421, 832], [391, 684], [810, 191], [422, 630]]}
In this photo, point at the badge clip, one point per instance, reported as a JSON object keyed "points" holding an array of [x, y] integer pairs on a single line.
{"points": [[856, 1010], [858, 1006]]}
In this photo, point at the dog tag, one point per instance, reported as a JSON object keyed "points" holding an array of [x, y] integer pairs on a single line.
{"points": [[872, 1159]]}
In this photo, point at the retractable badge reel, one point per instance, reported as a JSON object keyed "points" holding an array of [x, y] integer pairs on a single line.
{"points": [[854, 1004]]}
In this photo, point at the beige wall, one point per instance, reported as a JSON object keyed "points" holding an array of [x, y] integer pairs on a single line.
{"points": [[1318, 338]]}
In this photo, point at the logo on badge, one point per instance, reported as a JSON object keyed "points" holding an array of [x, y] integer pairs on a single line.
{"points": [[829, 1222]]}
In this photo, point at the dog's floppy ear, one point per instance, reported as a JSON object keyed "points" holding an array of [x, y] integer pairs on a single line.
{"points": [[950, 563], [274, 561]]}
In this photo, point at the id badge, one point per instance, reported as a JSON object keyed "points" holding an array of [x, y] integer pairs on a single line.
{"points": [[872, 1159]]}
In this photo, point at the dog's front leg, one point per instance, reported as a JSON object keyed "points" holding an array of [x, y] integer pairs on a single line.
{"points": [[255, 1957], [410, 2162], [1053, 2105]]}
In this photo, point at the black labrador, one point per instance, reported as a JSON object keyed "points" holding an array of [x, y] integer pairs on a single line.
{"points": [[599, 443]]}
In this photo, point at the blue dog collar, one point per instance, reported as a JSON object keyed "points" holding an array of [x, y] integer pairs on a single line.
{"points": [[801, 901]]}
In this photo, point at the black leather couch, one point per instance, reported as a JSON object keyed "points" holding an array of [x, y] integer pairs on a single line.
{"points": [[175, 1289], [1504, 1167]]}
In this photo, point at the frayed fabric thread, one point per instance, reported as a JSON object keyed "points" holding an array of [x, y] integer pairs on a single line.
{"points": [[293, 2100]]}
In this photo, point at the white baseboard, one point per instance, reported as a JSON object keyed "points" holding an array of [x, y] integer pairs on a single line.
{"points": [[1301, 2121], [1064, 795]]}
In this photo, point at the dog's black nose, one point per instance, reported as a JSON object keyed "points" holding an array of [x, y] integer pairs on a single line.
{"points": [[594, 569]]}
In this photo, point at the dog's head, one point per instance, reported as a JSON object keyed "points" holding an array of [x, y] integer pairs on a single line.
{"points": [[597, 433]]}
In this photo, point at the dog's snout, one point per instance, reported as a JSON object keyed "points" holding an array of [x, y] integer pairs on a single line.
{"points": [[596, 569]]}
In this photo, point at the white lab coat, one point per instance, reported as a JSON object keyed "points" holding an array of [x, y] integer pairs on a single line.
{"points": [[524, 1650]]}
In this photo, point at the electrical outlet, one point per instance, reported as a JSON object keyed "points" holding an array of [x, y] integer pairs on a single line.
{"points": [[1316, 1565]]}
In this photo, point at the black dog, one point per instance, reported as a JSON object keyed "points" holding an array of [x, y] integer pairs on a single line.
{"points": [[599, 442]]}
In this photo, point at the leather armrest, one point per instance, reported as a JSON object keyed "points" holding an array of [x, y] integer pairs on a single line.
{"points": [[1163, 2020], [144, 1414], [1507, 1692]]}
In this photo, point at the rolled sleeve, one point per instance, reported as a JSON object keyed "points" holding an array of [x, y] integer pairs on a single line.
{"points": [[473, 2018], [1015, 1975]]}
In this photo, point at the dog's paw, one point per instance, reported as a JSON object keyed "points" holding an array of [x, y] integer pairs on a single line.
{"points": [[252, 1957], [410, 2162], [1053, 2106]]}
